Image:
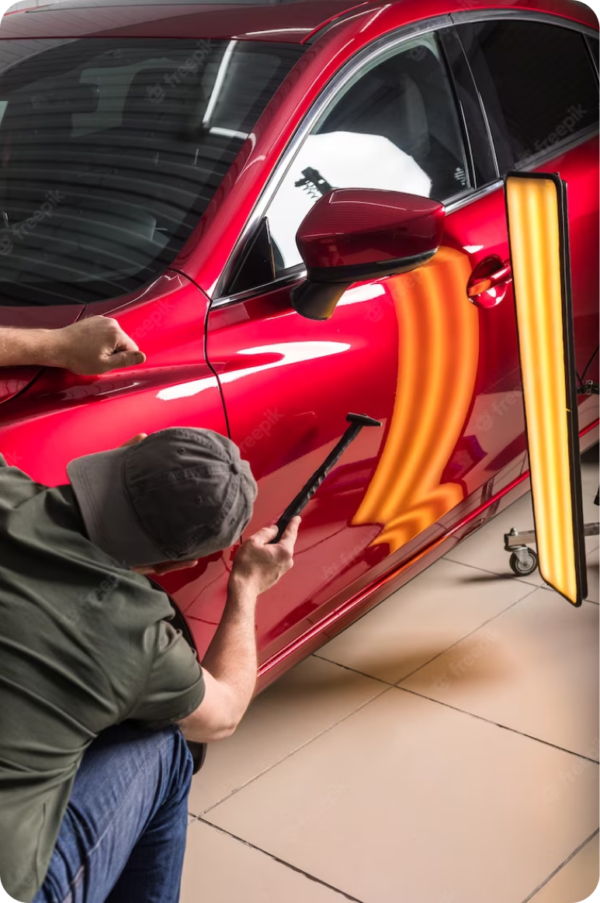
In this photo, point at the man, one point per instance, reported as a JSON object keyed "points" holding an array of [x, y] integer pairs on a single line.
{"points": [[96, 687], [93, 346]]}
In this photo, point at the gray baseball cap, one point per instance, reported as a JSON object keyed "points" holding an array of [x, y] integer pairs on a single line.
{"points": [[178, 495]]}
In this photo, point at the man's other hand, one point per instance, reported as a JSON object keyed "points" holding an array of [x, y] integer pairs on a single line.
{"points": [[92, 347], [258, 565]]}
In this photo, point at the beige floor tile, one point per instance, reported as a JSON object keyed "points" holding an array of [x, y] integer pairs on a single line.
{"points": [[534, 669], [308, 700], [408, 801], [485, 549], [576, 881], [592, 569], [426, 616], [220, 869]]}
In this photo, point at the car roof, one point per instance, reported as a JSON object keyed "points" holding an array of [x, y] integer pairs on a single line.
{"points": [[292, 21]]}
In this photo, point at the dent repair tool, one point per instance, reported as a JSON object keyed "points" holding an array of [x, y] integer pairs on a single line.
{"points": [[357, 422]]}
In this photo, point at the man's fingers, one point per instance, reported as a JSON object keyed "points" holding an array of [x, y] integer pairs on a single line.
{"points": [[265, 535], [124, 359], [288, 540]]}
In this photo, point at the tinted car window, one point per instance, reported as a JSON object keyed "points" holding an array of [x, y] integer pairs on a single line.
{"points": [[594, 46], [111, 150], [537, 82], [395, 127]]}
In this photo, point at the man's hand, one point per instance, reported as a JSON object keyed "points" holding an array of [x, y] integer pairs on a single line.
{"points": [[258, 566], [92, 347]]}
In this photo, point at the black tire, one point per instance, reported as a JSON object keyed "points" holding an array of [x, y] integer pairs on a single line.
{"points": [[526, 567]]}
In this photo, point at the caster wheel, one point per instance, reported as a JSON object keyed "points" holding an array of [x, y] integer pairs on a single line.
{"points": [[525, 565]]}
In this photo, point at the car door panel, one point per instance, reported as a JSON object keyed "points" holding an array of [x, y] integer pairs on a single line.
{"points": [[63, 416], [288, 385], [411, 350]]}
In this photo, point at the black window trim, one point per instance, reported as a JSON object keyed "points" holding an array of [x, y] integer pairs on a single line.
{"points": [[448, 36], [570, 141], [380, 47], [352, 68], [592, 53], [522, 15]]}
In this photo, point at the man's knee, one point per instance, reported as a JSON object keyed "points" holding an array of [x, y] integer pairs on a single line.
{"points": [[162, 755], [183, 761], [170, 755]]}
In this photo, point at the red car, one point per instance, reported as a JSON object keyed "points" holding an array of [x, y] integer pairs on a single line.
{"points": [[157, 162]]}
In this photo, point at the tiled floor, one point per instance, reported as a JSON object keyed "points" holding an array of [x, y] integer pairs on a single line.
{"points": [[444, 749]]}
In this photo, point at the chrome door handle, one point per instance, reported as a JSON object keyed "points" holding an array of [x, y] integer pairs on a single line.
{"points": [[500, 277]]}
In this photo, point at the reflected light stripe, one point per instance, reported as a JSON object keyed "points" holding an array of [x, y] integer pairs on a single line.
{"points": [[437, 369], [291, 353]]}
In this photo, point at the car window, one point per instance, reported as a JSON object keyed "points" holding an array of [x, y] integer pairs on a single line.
{"points": [[112, 149], [537, 82], [594, 47], [394, 127]]}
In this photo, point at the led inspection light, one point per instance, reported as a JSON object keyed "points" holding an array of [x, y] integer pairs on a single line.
{"points": [[539, 238]]}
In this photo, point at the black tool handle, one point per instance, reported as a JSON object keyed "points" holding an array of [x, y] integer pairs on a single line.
{"points": [[357, 421]]}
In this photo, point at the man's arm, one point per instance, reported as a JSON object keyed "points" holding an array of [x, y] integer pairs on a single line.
{"points": [[91, 347], [230, 665]]}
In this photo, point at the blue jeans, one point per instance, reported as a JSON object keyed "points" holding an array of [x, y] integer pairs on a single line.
{"points": [[122, 839]]}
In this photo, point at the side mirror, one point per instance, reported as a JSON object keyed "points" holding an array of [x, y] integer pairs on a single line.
{"points": [[356, 235]]}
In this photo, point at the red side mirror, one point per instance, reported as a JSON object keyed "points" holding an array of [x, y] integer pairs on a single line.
{"points": [[355, 235]]}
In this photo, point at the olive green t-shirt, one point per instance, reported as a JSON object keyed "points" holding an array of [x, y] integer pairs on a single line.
{"points": [[84, 645]]}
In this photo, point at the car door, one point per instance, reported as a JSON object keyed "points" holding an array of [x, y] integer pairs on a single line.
{"points": [[412, 350], [539, 85]]}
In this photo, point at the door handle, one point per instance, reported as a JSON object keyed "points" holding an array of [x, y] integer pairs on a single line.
{"points": [[478, 285]]}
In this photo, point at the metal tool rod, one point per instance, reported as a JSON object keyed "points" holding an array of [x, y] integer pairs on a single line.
{"points": [[357, 422]]}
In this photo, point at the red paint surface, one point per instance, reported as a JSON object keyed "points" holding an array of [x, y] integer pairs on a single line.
{"points": [[354, 226], [441, 374]]}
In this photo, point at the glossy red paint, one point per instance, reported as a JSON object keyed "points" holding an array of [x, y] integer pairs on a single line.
{"points": [[441, 373], [354, 226], [62, 415], [293, 23]]}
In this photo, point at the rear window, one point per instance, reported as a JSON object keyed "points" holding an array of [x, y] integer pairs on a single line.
{"points": [[110, 152], [538, 84]]}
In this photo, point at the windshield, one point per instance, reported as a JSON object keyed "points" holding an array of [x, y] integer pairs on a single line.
{"points": [[110, 152]]}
